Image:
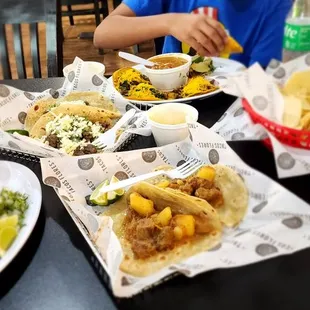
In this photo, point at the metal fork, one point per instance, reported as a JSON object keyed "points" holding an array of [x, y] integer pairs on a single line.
{"points": [[181, 172], [107, 139]]}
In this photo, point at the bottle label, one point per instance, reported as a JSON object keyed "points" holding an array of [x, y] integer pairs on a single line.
{"points": [[297, 37]]}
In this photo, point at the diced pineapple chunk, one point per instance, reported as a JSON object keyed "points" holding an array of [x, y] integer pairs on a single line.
{"points": [[141, 205], [186, 223], [164, 217], [163, 184], [206, 172], [178, 232]]}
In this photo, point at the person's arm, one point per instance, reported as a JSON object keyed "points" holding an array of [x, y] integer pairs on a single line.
{"points": [[123, 23], [127, 26], [270, 41]]}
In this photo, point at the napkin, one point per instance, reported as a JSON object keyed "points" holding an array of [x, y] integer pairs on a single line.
{"points": [[277, 221]]}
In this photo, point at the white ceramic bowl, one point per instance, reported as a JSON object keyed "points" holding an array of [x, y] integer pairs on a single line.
{"points": [[169, 79], [17, 177], [165, 133], [97, 67]]}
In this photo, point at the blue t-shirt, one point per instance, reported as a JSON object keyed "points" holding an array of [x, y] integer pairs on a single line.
{"points": [[258, 25]]}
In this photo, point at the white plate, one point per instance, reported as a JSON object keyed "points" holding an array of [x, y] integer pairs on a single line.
{"points": [[19, 178], [223, 66]]}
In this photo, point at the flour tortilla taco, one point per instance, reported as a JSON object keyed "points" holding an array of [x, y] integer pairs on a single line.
{"points": [[220, 186], [157, 228], [37, 110], [72, 128], [87, 98]]}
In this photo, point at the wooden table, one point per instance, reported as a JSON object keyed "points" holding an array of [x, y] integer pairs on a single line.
{"points": [[53, 271]]}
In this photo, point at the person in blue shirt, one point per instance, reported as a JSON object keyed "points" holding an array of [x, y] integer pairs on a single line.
{"points": [[258, 25]]}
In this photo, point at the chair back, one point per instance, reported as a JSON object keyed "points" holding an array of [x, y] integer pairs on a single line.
{"points": [[30, 12]]}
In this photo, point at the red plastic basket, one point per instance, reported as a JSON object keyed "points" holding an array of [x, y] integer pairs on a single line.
{"points": [[289, 136]]}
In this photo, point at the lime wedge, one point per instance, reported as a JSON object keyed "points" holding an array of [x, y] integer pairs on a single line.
{"points": [[7, 235], [97, 198], [107, 198], [11, 220], [197, 59], [205, 66], [19, 131], [115, 195]]}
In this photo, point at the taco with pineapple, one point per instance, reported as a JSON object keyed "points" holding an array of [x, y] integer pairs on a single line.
{"points": [[72, 128], [219, 185], [86, 98], [157, 228]]}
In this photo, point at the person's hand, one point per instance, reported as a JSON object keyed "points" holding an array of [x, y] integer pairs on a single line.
{"points": [[201, 32]]}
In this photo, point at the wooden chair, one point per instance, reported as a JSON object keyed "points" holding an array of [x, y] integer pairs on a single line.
{"points": [[97, 10], [31, 12]]}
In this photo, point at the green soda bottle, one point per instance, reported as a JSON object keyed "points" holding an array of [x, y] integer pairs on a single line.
{"points": [[297, 31]]}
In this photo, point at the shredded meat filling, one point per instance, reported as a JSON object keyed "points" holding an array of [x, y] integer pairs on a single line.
{"points": [[87, 135], [53, 141], [200, 188], [145, 237], [87, 149]]}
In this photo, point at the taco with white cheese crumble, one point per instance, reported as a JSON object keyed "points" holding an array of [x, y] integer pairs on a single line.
{"points": [[72, 128], [86, 98]]}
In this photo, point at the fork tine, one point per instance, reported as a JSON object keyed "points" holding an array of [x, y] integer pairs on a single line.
{"points": [[182, 166], [192, 169], [186, 165], [99, 145]]}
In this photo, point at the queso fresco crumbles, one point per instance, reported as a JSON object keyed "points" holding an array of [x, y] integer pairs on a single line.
{"points": [[72, 134]]}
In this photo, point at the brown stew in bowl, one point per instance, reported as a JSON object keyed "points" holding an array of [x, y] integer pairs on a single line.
{"points": [[168, 62]]}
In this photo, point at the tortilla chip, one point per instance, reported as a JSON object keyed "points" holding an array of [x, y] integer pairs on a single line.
{"points": [[232, 47], [91, 113], [292, 111], [305, 121], [298, 84]]}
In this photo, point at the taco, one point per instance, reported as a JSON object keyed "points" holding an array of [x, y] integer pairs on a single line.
{"points": [[197, 85], [37, 110], [88, 98], [220, 186], [157, 228], [91, 98], [232, 47], [126, 78], [147, 92], [72, 128]]}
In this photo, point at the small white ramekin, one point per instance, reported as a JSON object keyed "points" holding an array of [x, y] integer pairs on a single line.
{"points": [[166, 134], [97, 67], [169, 79]]}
